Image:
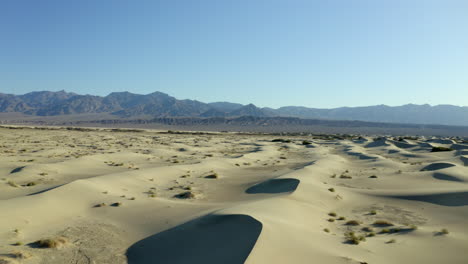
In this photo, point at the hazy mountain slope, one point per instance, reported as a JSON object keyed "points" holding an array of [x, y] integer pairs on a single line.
{"points": [[157, 104], [225, 106]]}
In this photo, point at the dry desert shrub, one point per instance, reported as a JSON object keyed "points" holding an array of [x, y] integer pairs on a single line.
{"points": [[440, 149], [57, 242], [352, 223], [185, 195], [352, 238], [382, 223]]}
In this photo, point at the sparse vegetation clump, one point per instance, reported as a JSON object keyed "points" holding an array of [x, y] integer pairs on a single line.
{"points": [[441, 149], [305, 143], [30, 184], [385, 231], [341, 218], [382, 223], [352, 238], [212, 176], [12, 184], [281, 140], [333, 214], [352, 223], [331, 189], [117, 204], [443, 232], [57, 242], [185, 195]]}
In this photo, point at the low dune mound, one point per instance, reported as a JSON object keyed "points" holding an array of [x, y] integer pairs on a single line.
{"points": [[437, 166], [446, 177], [211, 239], [274, 186], [445, 199]]}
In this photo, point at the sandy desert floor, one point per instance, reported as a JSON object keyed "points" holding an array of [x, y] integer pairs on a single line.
{"points": [[102, 196]]}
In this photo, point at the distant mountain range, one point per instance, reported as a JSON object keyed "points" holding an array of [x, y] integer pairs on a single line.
{"points": [[157, 105]]}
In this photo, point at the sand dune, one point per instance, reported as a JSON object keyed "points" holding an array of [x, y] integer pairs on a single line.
{"points": [[102, 196]]}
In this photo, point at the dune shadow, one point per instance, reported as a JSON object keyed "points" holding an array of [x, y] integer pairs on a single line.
{"points": [[445, 199], [16, 170], [303, 165], [45, 190], [211, 239], [377, 143], [403, 145], [446, 177], [464, 160], [274, 186], [361, 156], [437, 166], [459, 147]]}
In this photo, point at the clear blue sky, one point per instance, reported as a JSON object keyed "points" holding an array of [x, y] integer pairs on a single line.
{"points": [[269, 52]]}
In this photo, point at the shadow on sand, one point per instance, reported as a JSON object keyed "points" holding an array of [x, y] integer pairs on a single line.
{"points": [[211, 239], [274, 186], [445, 199]]}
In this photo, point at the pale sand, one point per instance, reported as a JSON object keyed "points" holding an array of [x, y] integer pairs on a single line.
{"points": [[227, 198]]}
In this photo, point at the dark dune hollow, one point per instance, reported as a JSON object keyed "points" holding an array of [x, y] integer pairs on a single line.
{"points": [[445, 199], [211, 239], [274, 186], [437, 166]]}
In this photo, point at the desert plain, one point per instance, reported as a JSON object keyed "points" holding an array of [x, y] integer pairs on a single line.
{"points": [[76, 195]]}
